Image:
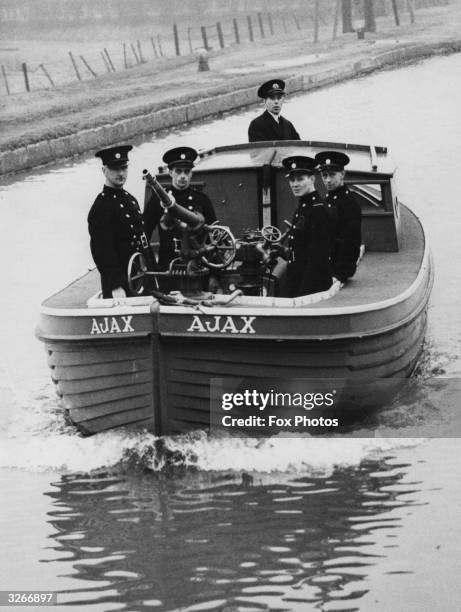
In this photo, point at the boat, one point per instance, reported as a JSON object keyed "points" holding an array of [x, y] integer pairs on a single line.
{"points": [[144, 361]]}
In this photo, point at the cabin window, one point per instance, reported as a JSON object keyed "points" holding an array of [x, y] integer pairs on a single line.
{"points": [[369, 194]]}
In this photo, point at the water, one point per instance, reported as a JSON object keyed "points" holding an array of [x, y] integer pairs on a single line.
{"points": [[121, 522]]}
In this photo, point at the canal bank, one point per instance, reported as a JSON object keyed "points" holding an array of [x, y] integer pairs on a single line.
{"points": [[227, 88]]}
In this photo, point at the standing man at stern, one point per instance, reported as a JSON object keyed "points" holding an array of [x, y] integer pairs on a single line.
{"points": [[180, 162], [271, 125], [308, 269], [346, 212], [115, 224]]}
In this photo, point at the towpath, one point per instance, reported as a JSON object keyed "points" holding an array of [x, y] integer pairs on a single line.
{"points": [[46, 125]]}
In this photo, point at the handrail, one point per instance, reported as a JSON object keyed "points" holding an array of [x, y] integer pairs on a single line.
{"points": [[374, 158], [293, 143]]}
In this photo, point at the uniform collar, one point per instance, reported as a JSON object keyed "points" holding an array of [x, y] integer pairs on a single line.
{"points": [[112, 190], [179, 191], [337, 191], [307, 198], [276, 118]]}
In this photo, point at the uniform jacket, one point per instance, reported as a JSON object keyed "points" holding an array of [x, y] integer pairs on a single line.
{"points": [[116, 232], [265, 127], [347, 216], [189, 198], [309, 244]]}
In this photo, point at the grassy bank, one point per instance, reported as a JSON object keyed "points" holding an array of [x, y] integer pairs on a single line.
{"points": [[136, 100]]}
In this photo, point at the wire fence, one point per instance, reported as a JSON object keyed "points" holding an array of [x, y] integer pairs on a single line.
{"points": [[185, 41], [181, 41]]}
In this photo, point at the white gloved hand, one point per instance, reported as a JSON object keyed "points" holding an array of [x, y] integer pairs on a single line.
{"points": [[119, 292]]}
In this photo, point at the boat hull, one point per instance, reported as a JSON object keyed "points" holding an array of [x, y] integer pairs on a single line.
{"points": [[188, 366], [159, 374]]}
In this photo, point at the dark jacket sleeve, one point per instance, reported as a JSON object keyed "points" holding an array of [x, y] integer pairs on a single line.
{"points": [[256, 132], [208, 210], [152, 213], [295, 135], [101, 227], [317, 276], [290, 130], [349, 238]]}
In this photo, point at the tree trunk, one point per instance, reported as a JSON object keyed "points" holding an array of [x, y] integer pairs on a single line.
{"points": [[369, 14], [347, 15]]}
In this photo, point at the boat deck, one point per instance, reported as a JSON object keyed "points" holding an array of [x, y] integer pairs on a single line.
{"points": [[380, 276]]}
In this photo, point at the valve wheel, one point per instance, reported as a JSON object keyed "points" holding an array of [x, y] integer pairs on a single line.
{"points": [[271, 233], [137, 269], [220, 247]]}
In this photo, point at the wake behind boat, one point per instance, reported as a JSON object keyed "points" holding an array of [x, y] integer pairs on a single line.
{"points": [[148, 361]]}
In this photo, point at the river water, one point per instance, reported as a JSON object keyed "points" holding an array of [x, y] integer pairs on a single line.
{"points": [[114, 522]]}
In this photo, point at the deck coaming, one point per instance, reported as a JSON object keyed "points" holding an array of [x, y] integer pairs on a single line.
{"points": [[380, 275]]}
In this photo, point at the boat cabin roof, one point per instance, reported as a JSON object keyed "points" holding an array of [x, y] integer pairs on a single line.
{"points": [[365, 159]]}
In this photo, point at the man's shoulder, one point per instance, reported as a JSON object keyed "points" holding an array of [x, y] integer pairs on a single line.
{"points": [[111, 200], [262, 118], [199, 192], [344, 193], [347, 196], [198, 195], [102, 209], [101, 201], [285, 120]]}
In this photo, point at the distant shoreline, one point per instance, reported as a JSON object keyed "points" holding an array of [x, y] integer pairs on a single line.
{"points": [[68, 123]]}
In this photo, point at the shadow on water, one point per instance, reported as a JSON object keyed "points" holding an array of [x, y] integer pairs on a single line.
{"points": [[225, 541]]}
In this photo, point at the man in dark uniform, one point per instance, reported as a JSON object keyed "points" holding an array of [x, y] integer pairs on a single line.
{"points": [[308, 269], [271, 125], [180, 162], [115, 224], [347, 214]]}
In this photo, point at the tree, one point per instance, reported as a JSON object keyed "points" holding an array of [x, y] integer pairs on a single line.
{"points": [[347, 15], [369, 14]]}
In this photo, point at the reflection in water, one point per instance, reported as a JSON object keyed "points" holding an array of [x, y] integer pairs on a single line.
{"points": [[193, 539]]}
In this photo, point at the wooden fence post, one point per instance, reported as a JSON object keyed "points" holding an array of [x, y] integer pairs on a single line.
{"points": [[138, 61], [250, 28], [6, 80], [236, 31], [261, 25], [47, 74], [396, 12], [141, 57], [88, 66], [411, 10], [271, 25], [109, 59], [204, 37], [26, 76], [189, 38], [106, 63], [316, 21], [153, 46], [335, 24], [74, 63], [159, 42], [176, 39], [220, 35]]}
